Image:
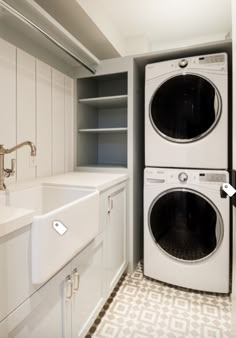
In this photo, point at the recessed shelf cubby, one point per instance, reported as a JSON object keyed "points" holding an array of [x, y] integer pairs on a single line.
{"points": [[102, 121]]}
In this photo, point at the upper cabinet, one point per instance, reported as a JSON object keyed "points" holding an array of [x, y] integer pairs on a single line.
{"points": [[102, 121]]}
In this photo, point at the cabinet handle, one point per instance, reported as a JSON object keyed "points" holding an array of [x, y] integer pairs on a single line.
{"points": [[68, 288], [76, 280], [110, 204]]}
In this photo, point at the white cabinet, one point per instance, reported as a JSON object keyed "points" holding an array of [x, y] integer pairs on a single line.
{"points": [[88, 287], [67, 305], [110, 132], [115, 233], [45, 314], [15, 270]]}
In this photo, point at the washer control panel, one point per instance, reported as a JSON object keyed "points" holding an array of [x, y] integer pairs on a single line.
{"points": [[212, 177], [185, 176]]}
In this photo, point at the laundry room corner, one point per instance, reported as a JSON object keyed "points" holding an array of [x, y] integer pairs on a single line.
{"points": [[118, 169]]}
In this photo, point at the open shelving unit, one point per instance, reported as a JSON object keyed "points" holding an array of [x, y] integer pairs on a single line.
{"points": [[102, 121]]}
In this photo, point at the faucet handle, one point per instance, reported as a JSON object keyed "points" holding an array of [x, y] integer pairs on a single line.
{"points": [[11, 172], [13, 166]]}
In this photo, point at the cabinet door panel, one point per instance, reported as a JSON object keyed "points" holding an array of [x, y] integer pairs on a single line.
{"points": [[116, 236], [15, 270], [44, 315], [88, 298]]}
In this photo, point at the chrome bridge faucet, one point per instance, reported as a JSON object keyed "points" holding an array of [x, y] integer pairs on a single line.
{"points": [[10, 172]]}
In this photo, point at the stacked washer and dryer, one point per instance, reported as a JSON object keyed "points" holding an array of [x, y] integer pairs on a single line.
{"points": [[186, 214]]}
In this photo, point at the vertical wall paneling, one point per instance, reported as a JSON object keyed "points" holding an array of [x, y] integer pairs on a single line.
{"points": [[44, 118], [25, 113], [8, 99], [37, 104], [69, 124], [58, 123]]}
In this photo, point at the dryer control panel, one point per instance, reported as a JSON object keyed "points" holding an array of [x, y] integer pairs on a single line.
{"points": [[202, 63], [185, 176]]}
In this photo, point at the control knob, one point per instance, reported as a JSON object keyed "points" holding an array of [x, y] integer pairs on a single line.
{"points": [[183, 177], [183, 63]]}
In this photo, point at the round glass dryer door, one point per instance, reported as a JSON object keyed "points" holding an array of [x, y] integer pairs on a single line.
{"points": [[185, 108], [185, 224]]}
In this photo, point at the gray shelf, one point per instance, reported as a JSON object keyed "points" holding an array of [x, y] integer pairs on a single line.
{"points": [[104, 166], [104, 130], [118, 101], [102, 121]]}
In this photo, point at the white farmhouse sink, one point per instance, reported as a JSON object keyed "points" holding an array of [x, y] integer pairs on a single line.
{"points": [[77, 209]]}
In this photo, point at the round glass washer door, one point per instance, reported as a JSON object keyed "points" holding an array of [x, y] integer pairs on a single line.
{"points": [[185, 224], [185, 108]]}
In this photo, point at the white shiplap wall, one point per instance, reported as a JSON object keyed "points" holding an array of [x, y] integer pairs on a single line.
{"points": [[36, 105], [8, 98]]}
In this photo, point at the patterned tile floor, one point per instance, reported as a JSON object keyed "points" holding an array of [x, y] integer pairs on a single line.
{"points": [[140, 307]]}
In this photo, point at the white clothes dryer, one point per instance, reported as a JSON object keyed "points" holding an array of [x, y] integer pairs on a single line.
{"points": [[186, 228], [186, 113]]}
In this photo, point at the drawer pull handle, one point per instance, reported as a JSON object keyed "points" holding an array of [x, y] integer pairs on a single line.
{"points": [[110, 204], [76, 280], [68, 288]]}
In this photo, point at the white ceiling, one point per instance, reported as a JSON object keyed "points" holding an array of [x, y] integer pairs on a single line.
{"points": [[70, 15], [139, 26]]}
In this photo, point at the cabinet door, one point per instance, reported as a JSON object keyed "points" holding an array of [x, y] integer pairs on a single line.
{"points": [[15, 270], [46, 314], [88, 286], [116, 236]]}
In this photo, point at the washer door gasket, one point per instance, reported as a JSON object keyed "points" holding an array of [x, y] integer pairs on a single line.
{"points": [[185, 108], [185, 224]]}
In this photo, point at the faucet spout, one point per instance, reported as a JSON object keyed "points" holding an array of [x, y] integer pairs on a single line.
{"points": [[9, 172], [20, 145]]}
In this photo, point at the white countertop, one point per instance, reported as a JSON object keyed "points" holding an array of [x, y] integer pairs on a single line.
{"points": [[12, 219], [92, 180]]}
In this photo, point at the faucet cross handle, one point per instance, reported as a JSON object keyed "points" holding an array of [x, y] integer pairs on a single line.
{"points": [[11, 172]]}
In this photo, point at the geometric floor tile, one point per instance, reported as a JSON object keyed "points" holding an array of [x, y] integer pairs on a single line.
{"points": [[141, 307]]}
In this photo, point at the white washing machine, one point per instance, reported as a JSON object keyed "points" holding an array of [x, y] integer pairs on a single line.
{"points": [[186, 228], [186, 113]]}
